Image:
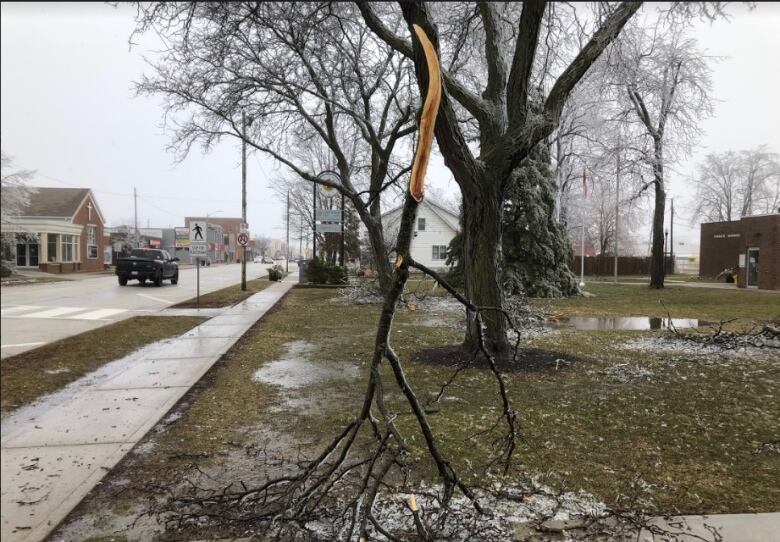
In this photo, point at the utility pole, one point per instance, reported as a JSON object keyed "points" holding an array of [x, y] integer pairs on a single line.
{"points": [[617, 214], [671, 237], [314, 225], [343, 231], [300, 236], [287, 246], [582, 219], [135, 211], [243, 198]]}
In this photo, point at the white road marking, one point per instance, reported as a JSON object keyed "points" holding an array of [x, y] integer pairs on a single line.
{"points": [[20, 345], [158, 299], [54, 313], [98, 314], [19, 308]]}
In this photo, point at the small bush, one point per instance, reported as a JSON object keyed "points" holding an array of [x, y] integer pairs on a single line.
{"points": [[320, 272], [276, 273], [5, 271]]}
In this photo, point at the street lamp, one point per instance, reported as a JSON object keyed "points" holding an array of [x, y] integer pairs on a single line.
{"points": [[333, 177]]}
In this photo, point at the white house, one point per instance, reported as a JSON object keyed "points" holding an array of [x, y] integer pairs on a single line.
{"points": [[433, 231]]}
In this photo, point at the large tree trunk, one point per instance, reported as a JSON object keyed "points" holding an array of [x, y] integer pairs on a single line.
{"points": [[483, 262], [657, 267]]}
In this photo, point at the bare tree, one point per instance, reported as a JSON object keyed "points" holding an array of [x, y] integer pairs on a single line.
{"points": [[498, 58], [667, 88], [14, 189], [732, 185], [14, 197], [760, 189], [303, 73], [717, 187], [262, 243]]}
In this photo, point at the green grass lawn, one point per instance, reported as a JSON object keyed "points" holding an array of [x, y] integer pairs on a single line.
{"points": [[697, 435], [31, 374], [682, 302], [226, 296]]}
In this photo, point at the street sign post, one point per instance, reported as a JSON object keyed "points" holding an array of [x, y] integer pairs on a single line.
{"points": [[198, 246]]}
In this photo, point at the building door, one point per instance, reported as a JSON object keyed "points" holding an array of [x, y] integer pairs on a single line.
{"points": [[752, 267]]}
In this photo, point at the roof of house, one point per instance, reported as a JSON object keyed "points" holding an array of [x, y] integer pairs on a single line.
{"points": [[54, 202]]}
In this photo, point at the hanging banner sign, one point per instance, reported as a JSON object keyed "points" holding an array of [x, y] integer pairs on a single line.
{"points": [[329, 228], [328, 215]]}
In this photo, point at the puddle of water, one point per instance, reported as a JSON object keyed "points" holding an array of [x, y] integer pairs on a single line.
{"points": [[294, 370], [56, 371], [628, 323]]}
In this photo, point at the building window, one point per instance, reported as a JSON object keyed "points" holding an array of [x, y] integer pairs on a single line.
{"points": [[439, 252], [420, 224], [51, 247], [68, 248], [92, 242]]}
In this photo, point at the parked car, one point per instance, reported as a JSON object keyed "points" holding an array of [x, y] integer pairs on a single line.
{"points": [[266, 259], [147, 264]]}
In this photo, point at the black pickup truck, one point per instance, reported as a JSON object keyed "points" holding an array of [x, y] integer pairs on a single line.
{"points": [[147, 264]]}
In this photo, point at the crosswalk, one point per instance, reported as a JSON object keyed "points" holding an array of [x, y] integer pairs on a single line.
{"points": [[67, 313]]}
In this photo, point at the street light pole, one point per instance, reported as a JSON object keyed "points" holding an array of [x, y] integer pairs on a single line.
{"points": [[135, 211], [582, 219], [287, 246], [243, 198], [617, 210], [671, 237], [343, 224], [314, 225]]}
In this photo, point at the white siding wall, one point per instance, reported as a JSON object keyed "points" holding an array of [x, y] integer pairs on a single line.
{"points": [[437, 233]]}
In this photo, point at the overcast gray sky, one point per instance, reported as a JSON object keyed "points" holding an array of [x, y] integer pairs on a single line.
{"points": [[69, 113]]}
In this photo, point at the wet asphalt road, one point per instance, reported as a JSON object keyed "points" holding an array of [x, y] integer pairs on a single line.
{"points": [[36, 314]]}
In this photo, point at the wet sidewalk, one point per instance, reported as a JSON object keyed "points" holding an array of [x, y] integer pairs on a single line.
{"points": [[718, 527], [56, 450]]}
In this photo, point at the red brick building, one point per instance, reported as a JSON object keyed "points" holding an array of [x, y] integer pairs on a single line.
{"points": [[61, 230], [751, 244]]}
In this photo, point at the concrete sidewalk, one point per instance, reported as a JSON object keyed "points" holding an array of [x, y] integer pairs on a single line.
{"points": [[56, 450], [719, 527]]}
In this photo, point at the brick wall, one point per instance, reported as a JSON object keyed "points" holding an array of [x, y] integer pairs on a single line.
{"points": [[722, 243], [82, 218]]}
